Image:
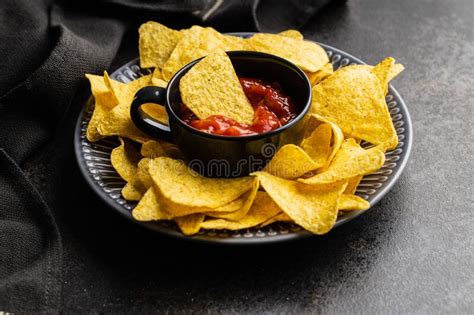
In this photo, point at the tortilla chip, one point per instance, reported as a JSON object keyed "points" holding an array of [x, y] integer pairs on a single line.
{"points": [[290, 161], [143, 174], [337, 136], [395, 70], [174, 210], [190, 224], [321, 74], [139, 183], [104, 102], [180, 210], [292, 34], [198, 42], [352, 202], [350, 161], [281, 217], [318, 145], [131, 193], [345, 203], [156, 44], [353, 99], [157, 77], [148, 208], [243, 203], [212, 87], [113, 86], [313, 207], [382, 71], [263, 208], [117, 121], [152, 149], [124, 159], [181, 185], [307, 55], [352, 184]]}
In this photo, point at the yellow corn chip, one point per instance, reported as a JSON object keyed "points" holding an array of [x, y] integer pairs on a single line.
{"points": [[132, 193], [394, 71], [157, 77], [292, 34], [352, 184], [244, 203], [290, 161], [156, 44], [350, 161], [307, 55], [190, 224], [313, 207], [337, 136], [104, 102], [143, 174], [212, 87], [352, 202], [124, 93], [113, 86], [345, 203], [353, 99], [148, 208], [179, 210], [124, 159], [321, 74], [318, 145], [281, 217], [139, 183], [382, 71], [263, 208], [198, 42], [183, 186], [173, 210], [152, 149], [118, 121]]}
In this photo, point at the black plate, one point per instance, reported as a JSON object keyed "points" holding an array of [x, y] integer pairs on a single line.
{"points": [[94, 162]]}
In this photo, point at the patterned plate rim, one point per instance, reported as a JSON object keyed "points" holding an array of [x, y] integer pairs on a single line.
{"points": [[257, 236]]}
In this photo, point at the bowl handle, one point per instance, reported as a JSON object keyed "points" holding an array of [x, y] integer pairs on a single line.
{"points": [[157, 96]]}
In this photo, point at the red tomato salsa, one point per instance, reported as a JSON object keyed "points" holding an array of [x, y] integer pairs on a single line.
{"points": [[273, 109]]}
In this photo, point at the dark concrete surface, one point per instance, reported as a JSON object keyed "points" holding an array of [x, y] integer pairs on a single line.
{"points": [[412, 253]]}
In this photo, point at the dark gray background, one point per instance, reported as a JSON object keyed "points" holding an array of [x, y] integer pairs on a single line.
{"points": [[412, 253]]}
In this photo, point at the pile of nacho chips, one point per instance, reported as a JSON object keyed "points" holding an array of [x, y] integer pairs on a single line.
{"points": [[308, 182]]}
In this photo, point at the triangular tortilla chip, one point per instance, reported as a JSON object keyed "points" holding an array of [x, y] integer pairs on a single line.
{"points": [[313, 207], [211, 87], [263, 208], [307, 55], [353, 99], [291, 161], [181, 185], [350, 161], [156, 43]]}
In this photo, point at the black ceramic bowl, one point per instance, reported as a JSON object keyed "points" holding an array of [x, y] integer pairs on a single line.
{"points": [[227, 156]]}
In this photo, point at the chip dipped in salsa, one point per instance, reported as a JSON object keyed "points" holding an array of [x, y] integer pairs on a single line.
{"points": [[272, 109]]}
